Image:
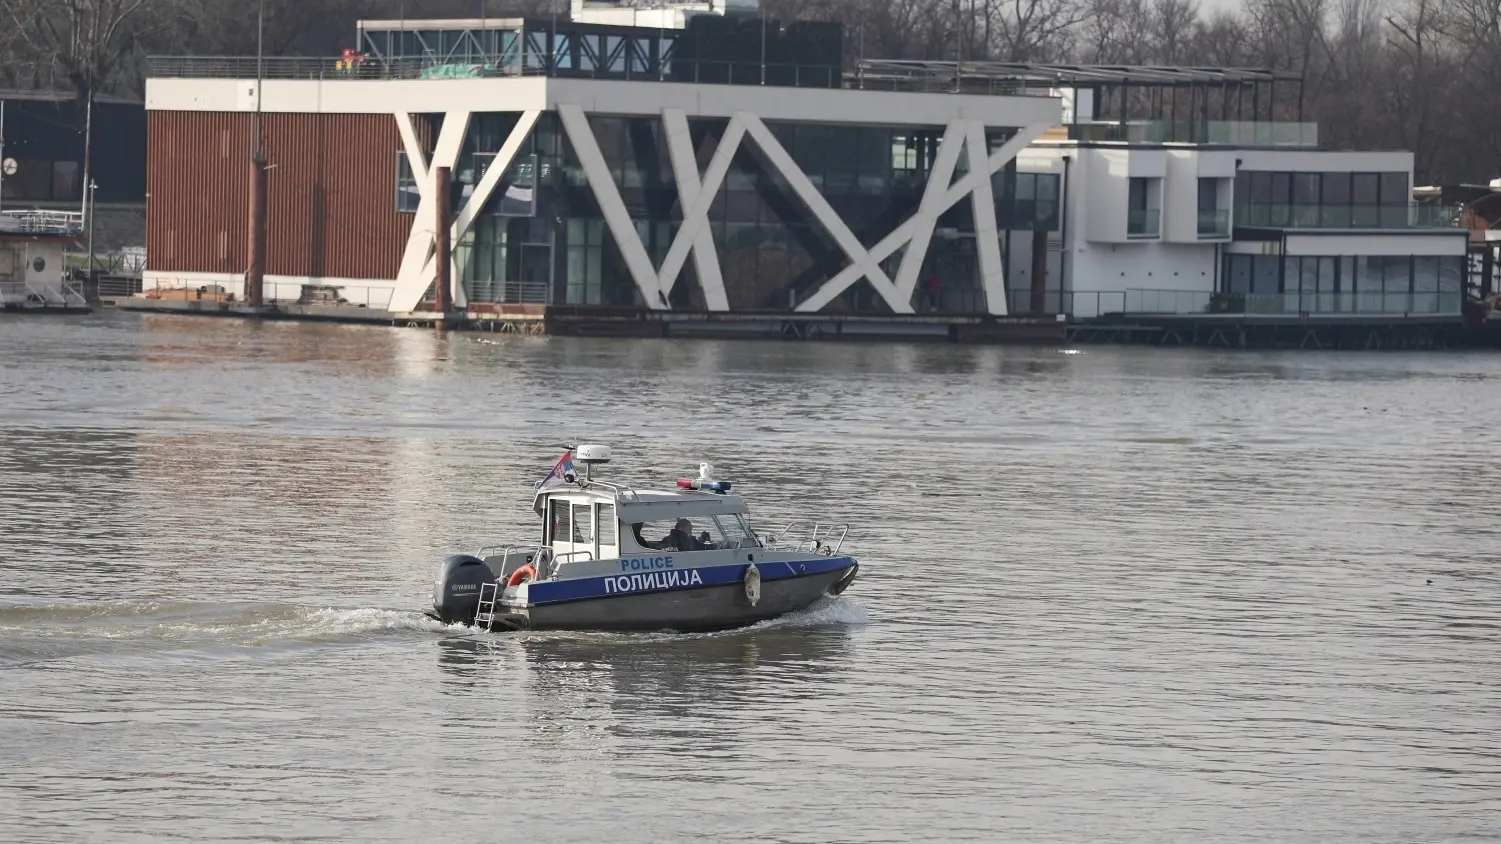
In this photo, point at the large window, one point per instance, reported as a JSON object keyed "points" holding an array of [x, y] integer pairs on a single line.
{"points": [[407, 197], [1323, 200], [1142, 216], [586, 241], [1346, 284], [1035, 207], [1364, 198], [42, 179], [1214, 221]]}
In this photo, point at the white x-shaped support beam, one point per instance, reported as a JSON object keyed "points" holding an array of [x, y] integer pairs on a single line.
{"points": [[976, 182], [696, 194], [419, 264]]}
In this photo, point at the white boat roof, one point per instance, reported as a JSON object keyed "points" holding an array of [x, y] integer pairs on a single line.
{"points": [[632, 506]]}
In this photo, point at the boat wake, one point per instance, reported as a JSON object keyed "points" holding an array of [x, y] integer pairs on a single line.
{"points": [[42, 632], [830, 611], [34, 631]]}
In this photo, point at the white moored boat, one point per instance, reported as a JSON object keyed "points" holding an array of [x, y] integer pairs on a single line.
{"points": [[615, 558]]}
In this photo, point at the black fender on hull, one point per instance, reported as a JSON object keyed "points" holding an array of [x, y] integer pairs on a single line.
{"points": [[844, 582]]}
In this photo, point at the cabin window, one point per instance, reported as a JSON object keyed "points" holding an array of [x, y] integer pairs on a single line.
{"points": [[583, 529], [559, 521], [734, 532], [699, 533], [607, 524]]}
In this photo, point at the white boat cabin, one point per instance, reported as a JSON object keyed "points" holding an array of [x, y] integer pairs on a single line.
{"points": [[602, 521]]}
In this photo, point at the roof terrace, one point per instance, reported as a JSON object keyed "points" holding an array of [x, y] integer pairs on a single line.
{"points": [[1122, 103], [1101, 103]]}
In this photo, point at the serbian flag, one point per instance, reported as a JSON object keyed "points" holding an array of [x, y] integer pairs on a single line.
{"points": [[563, 466]]}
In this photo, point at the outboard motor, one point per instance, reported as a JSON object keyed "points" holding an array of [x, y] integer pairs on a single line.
{"points": [[456, 591]]}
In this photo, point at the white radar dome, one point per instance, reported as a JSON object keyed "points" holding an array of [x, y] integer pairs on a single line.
{"points": [[592, 454]]}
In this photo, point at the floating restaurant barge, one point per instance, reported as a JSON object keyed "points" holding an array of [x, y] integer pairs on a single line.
{"points": [[698, 169], [33, 273]]}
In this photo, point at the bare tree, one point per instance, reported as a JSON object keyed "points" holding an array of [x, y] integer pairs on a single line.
{"points": [[1118, 32], [1377, 73], [85, 41], [1174, 22], [1033, 30], [1417, 78]]}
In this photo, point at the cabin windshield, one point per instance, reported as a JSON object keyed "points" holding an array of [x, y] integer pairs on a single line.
{"points": [[697, 533]]}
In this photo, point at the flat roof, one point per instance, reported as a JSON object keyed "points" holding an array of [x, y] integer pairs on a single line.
{"points": [[1073, 74], [597, 96], [54, 96], [456, 24]]}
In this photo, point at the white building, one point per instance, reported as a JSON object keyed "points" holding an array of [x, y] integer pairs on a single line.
{"points": [[701, 160]]}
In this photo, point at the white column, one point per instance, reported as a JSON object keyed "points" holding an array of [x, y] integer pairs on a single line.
{"points": [[409, 279], [987, 239], [476, 202], [695, 230], [926, 218], [696, 212]]}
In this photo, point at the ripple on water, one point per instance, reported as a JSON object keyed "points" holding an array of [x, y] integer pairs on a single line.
{"points": [[1115, 595]]}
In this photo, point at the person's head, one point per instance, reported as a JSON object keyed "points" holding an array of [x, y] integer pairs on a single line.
{"points": [[684, 526]]}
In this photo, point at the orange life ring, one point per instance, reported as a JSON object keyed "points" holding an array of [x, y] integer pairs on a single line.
{"points": [[521, 575]]}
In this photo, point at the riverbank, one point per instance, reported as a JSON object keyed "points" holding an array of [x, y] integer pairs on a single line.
{"points": [[1312, 332], [640, 322]]}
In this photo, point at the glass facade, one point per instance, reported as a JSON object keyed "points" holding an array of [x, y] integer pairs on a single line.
{"points": [[555, 247], [1347, 283], [1323, 200]]}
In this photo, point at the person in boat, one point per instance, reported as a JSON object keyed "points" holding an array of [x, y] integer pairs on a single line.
{"points": [[680, 538]]}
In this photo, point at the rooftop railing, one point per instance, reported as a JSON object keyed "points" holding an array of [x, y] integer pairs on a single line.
{"points": [[1087, 304], [298, 67], [1375, 303], [314, 67], [1317, 216], [1242, 133], [64, 223]]}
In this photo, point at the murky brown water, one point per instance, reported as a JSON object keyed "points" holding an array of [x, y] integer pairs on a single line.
{"points": [[1127, 595]]}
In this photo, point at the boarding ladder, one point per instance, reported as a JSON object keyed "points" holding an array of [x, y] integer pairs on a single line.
{"points": [[489, 596]]}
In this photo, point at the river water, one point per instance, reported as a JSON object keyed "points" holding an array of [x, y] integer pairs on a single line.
{"points": [[1106, 594]]}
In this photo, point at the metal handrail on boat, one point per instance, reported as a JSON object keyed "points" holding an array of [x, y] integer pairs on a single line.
{"points": [[822, 540], [541, 556], [621, 490], [559, 559]]}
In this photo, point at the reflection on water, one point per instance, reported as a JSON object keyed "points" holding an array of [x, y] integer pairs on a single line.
{"points": [[1115, 594]]}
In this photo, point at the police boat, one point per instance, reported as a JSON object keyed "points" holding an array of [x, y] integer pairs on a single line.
{"points": [[615, 558]]}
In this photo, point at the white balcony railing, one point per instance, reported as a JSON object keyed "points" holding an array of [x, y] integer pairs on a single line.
{"points": [[63, 223]]}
